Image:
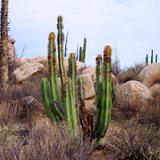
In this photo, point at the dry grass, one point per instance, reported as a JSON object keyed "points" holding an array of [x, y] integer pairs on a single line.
{"points": [[130, 73], [46, 141], [134, 142]]}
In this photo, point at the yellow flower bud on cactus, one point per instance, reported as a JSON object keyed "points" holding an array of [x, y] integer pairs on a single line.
{"points": [[107, 51]]}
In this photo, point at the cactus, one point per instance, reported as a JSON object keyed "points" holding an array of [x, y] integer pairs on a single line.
{"points": [[156, 58], [3, 46], [104, 94], [152, 58], [66, 43], [61, 104], [80, 54], [84, 51], [60, 41], [147, 59], [51, 93]]}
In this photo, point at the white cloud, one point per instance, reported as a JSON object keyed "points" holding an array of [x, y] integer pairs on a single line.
{"points": [[132, 26]]}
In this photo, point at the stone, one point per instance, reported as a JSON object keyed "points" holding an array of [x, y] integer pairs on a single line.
{"points": [[133, 94], [150, 75], [11, 51], [91, 104], [26, 70], [88, 86], [28, 100], [155, 89]]}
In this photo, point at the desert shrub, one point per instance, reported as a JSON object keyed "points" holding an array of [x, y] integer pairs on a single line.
{"points": [[151, 115], [128, 106], [134, 142], [49, 142], [130, 73]]}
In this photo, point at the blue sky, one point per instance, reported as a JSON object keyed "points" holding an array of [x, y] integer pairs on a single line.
{"points": [[132, 27]]}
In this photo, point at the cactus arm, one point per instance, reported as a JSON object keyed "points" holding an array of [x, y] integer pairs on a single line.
{"points": [[107, 97], [106, 90], [46, 98], [80, 54], [147, 59], [84, 50], [60, 41], [55, 89], [70, 112], [73, 76], [156, 58], [151, 56], [98, 94]]}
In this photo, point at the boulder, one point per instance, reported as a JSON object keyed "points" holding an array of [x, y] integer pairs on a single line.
{"points": [[26, 70], [88, 86], [150, 75], [155, 89], [133, 95], [11, 51], [91, 105], [42, 60]]}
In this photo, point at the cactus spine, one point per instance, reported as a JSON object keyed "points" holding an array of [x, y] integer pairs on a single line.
{"points": [[104, 90]]}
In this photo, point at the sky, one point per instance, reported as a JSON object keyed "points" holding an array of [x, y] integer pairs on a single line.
{"points": [[131, 27]]}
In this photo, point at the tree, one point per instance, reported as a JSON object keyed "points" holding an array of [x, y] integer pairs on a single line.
{"points": [[3, 45]]}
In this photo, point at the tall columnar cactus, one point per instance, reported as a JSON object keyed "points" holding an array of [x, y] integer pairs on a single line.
{"points": [[60, 41], [80, 54], [147, 59], [59, 108], [3, 45], [84, 51], [72, 74], [103, 93], [156, 58], [151, 56], [62, 104]]}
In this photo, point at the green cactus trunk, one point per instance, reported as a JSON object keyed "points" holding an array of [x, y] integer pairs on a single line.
{"points": [[84, 51], [80, 54], [147, 59], [99, 94], [151, 56], [60, 41], [105, 88], [72, 73], [156, 58]]}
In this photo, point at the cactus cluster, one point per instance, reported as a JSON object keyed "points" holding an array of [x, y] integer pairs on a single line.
{"points": [[152, 58], [65, 99], [81, 54]]}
